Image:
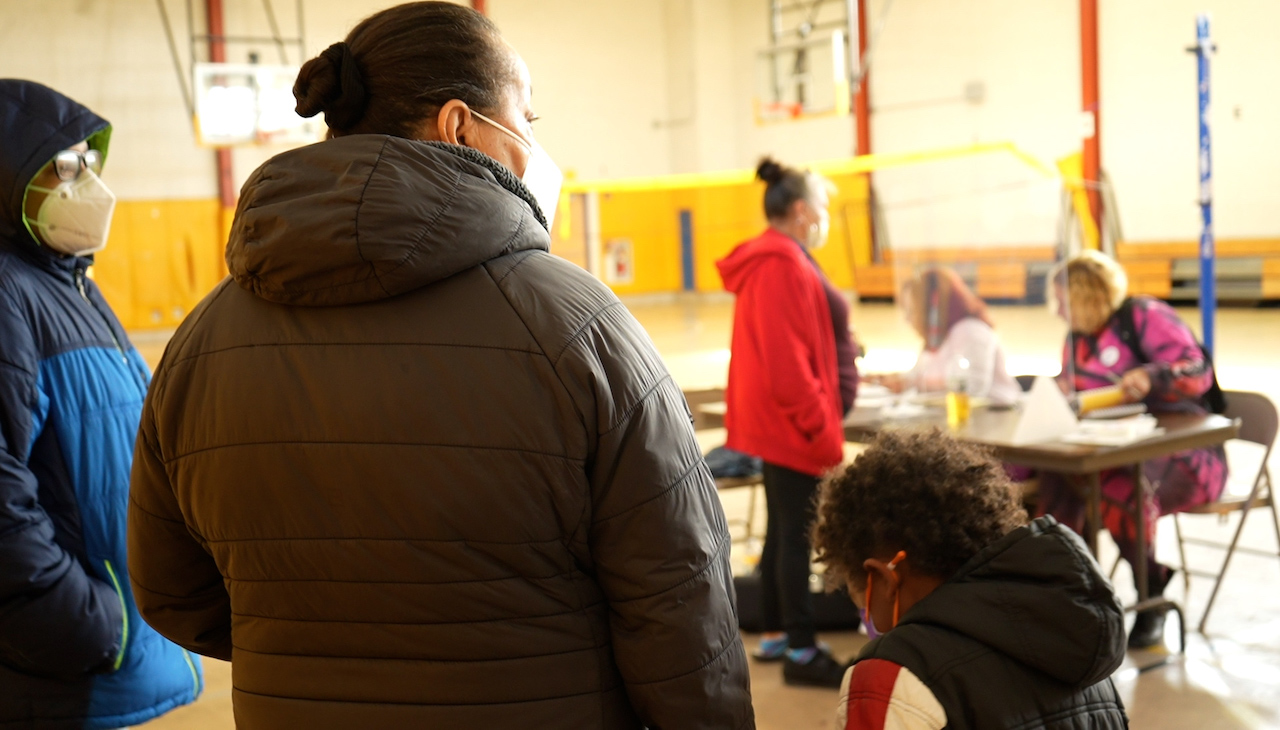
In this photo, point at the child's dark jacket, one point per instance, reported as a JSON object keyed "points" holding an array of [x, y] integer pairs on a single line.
{"points": [[1026, 635]]}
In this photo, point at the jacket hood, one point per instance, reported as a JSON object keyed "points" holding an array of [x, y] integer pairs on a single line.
{"points": [[1038, 596], [738, 266], [366, 217], [36, 123]]}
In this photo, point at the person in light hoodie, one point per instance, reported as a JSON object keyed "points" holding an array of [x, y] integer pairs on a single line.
{"points": [[955, 325]]}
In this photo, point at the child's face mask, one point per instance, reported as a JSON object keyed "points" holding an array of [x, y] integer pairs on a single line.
{"points": [[75, 216], [868, 623]]}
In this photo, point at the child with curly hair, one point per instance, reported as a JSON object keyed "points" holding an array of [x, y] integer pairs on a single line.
{"points": [[987, 621]]}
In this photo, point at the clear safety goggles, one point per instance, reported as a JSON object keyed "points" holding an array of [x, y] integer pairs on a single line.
{"points": [[69, 163]]}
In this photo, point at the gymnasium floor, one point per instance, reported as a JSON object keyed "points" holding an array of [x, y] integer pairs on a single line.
{"points": [[1228, 680]]}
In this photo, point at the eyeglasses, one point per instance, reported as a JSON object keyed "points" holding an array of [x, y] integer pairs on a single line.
{"points": [[68, 163]]}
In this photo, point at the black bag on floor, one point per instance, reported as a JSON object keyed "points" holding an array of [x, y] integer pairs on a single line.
{"points": [[831, 611]]}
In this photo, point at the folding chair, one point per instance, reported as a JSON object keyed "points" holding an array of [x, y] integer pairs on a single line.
{"points": [[1258, 424], [699, 397], [756, 485]]}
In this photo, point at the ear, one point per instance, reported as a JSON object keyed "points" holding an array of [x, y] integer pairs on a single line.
{"points": [[884, 575], [798, 209], [453, 123], [882, 593]]}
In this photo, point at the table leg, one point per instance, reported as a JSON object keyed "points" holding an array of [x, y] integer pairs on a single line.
{"points": [[1140, 531], [1093, 516]]}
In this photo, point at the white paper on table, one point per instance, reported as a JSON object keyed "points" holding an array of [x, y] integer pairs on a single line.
{"points": [[872, 396], [1044, 414], [1116, 432], [903, 409], [873, 390]]}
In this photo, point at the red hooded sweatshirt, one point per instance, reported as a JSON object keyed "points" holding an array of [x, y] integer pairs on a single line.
{"points": [[783, 397]]}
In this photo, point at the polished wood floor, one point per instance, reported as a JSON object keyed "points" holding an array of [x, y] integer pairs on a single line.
{"points": [[1229, 679]]}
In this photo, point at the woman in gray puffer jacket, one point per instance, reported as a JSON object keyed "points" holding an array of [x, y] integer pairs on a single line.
{"points": [[407, 469]]}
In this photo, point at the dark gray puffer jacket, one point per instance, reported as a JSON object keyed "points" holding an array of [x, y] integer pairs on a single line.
{"points": [[1025, 636], [408, 469]]}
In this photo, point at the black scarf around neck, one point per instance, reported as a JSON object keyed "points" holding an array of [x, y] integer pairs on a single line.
{"points": [[504, 177]]}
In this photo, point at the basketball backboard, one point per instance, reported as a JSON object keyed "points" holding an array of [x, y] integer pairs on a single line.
{"points": [[808, 67], [249, 104], [807, 78]]}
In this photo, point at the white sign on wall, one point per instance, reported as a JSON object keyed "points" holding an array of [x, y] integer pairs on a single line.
{"points": [[619, 261]]}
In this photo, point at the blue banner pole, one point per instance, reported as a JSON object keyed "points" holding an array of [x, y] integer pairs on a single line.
{"points": [[688, 274], [1208, 281]]}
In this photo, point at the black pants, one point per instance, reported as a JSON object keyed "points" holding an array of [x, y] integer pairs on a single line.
{"points": [[784, 564]]}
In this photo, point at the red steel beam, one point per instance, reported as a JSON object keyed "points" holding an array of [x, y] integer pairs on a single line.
{"points": [[862, 100], [1089, 104], [218, 54], [213, 16], [862, 124]]}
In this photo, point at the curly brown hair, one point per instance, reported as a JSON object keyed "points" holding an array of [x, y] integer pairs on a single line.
{"points": [[938, 499]]}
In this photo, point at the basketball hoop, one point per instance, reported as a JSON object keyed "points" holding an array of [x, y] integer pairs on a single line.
{"points": [[773, 112], [802, 80], [249, 104], [268, 137]]}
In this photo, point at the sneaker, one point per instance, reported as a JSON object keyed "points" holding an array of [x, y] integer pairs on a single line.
{"points": [[812, 667], [771, 650], [1148, 629]]}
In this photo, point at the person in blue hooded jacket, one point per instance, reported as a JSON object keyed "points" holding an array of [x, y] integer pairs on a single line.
{"points": [[73, 650]]}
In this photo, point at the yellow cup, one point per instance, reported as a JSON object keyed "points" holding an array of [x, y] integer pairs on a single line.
{"points": [[957, 409], [1097, 398]]}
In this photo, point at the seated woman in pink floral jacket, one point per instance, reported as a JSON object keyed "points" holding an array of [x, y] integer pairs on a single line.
{"points": [[1141, 344]]}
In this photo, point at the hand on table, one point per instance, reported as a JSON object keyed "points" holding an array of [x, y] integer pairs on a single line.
{"points": [[1135, 385], [893, 381]]}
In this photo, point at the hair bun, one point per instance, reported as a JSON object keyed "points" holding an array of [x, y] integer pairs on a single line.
{"points": [[770, 170], [332, 83]]}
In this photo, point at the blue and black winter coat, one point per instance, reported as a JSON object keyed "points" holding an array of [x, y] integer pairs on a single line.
{"points": [[73, 650]]}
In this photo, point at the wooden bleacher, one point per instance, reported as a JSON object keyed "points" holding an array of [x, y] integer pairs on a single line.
{"points": [[1246, 268], [1005, 272]]}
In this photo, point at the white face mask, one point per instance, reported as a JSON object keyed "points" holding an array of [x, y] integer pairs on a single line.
{"points": [[541, 175], [75, 217], [819, 231]]}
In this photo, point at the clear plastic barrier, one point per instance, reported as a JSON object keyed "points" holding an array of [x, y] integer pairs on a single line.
{"points": [[971, 242]]}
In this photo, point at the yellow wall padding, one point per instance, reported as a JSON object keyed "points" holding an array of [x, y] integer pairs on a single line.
{"points": [[723, 217], [650, 220], [727, 210], [163, 256]]}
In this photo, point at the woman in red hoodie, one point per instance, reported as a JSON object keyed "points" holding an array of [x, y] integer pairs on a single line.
{"points": [[792, 377]]}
